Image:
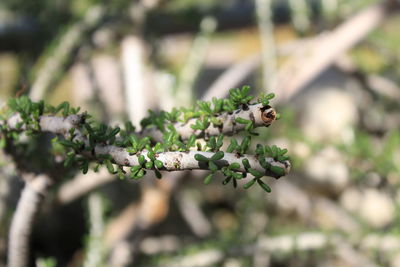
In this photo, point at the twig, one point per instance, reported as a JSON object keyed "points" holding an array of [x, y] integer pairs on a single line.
{"points": [[95, 251], [83, 184], [172, 161], [21, 227], [61, 54], [300, 14], [232, 77], [236, 73], [193, 215], [268, 54], [312, 59], [195, 60], [259, 115], [137, 93]]}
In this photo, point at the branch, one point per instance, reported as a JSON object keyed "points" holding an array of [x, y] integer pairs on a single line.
{"points": [[83, 184], [173, 160], [23, 220], [47, 73], [323, 50], [180, 161], [257, 113]]}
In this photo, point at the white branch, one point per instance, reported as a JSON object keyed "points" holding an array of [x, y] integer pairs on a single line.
{"points": [[257, 113], [172, 161], [179, 161], [83, 184], [23, 220]]}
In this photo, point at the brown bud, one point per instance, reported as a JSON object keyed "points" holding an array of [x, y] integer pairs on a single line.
{"points": [[268, 115]]}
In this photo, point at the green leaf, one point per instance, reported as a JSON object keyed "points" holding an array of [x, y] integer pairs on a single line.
{"points": [[149, 165], [264, 186], [266, 165], [241, 120], [191, 141], [269, 151], [277, 170], [216, 121], [234, 183], [217, 156], [226, 180], [260, 150], [255, 173], [220, 141], [84, 166], [141, 160], [120, 173], [158, 174], [159, 164], [140, 174], [237, 175], [69, 160], [232, 146], [217, 105], [151, 155], [234, 166], [200, 157], [249, 184], [212, 143], [274, 150], [212, 166], [109, 166], [249, 126], [245, 90], [245, 144], [208, 178], [246, 163]]}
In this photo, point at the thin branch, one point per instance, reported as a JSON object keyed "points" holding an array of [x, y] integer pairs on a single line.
{"points": [[83, 184], [95, 249], [325, 49], [194, 63], [268, 49], [172, 161], [257, 113], [54, 63], [180, 161], [232, 77], [21, 227]]}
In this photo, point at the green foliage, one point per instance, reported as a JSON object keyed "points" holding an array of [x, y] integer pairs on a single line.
{"points": [[76, 152]]}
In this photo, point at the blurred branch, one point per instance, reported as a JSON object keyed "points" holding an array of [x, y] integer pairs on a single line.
{"points": [[48, 72], [134, 64], [83, 184], [232, 77], [235, 74], [95, 250], [318, 53], [22, 223], [191, 70], [300, 14], [268, 54], [193, 215], [312, 59], [286, 244]]}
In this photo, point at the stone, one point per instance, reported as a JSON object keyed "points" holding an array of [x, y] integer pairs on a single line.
{"points": [[327, 115], [377, 208], [328, 169]]}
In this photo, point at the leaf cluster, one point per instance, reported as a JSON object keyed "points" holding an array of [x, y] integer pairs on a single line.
{"points": [[146, 149]]}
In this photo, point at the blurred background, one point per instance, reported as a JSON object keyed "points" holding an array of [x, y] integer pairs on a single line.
{"points": [[334, 67]]}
